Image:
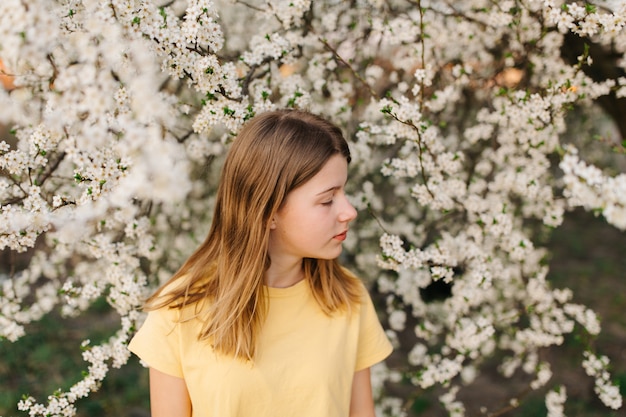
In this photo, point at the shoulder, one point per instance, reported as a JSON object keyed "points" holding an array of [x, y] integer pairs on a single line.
{"points": [[179, 291]]}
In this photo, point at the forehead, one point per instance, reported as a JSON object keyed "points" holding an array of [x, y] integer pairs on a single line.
{"points": [[333, 175], [334, 172]]}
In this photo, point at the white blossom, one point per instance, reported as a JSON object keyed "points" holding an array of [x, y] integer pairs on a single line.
{"points": [[121, 112]]}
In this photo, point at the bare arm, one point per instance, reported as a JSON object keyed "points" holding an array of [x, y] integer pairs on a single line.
{"points": [[362, 402], [168, 396]]}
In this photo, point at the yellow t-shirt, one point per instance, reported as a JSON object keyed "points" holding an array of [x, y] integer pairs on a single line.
{"points": [[304, 364]]}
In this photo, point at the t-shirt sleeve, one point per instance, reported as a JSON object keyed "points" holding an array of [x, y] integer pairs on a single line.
{"points": [[374, 346], [157, 342]]}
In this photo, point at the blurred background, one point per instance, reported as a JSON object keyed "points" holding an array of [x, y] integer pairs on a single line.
{"points": [[589, 257]]}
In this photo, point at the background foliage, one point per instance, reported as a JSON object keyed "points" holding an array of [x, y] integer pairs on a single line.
{"points": [[487, 138]]}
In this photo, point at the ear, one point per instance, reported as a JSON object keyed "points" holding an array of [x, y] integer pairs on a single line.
{"points": [[273, 223]]}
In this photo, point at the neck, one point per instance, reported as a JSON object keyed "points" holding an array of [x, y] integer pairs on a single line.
{"points": [[281, 275]]}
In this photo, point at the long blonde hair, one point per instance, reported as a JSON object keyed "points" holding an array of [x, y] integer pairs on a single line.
{"points": [[274, 153]]}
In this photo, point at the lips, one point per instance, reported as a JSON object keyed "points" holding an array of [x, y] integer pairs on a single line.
{"points": [[341, 236]]}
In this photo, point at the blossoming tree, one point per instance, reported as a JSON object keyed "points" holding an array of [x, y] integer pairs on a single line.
{"points": [[457, 114]]}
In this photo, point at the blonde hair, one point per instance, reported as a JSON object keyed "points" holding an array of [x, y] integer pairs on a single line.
{"points": [[274, 153]]}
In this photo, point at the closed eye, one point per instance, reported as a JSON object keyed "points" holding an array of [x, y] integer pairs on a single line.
{"points": [[327, 203]]}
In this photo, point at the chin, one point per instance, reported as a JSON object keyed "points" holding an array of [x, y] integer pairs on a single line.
{"points": [[332, 256]]}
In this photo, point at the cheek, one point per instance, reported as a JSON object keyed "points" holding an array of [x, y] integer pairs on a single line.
{"points": [[293, 218], [310, 221]]}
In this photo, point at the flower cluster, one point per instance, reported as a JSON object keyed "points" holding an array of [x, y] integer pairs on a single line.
{"points": [[587, 186], [458, 116], [597, 367], [555, 400]]}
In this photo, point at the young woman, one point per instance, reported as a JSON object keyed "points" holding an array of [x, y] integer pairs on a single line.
{"points": [[262, 320]]}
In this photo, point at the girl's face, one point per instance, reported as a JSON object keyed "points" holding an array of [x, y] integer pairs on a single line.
{"points": [[313, 221]]}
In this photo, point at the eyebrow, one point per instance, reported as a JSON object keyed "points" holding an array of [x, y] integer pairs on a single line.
{"points": [[337, 187]]}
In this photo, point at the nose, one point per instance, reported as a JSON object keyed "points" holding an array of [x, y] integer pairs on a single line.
{"points": [[347, 212]]}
